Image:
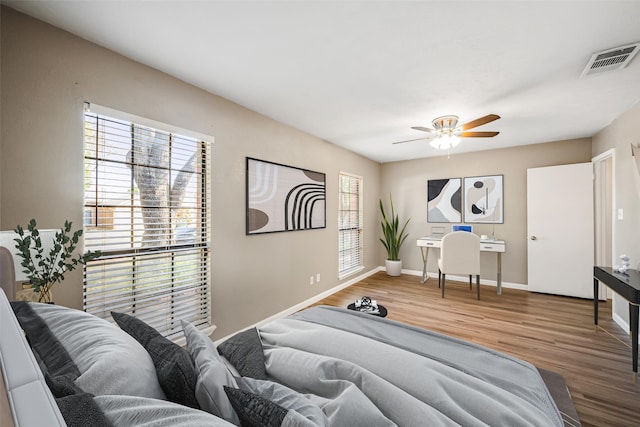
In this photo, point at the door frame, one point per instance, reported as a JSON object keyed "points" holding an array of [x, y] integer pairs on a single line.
{"points": [[601, 188]]}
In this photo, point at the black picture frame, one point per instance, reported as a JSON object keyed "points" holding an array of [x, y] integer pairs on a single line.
{"points": [[444, 200], [484, 199]]}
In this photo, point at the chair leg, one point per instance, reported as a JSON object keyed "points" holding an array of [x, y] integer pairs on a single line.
{"points": [[470, 279], [444, 279], [478, 284], [439, 276]]}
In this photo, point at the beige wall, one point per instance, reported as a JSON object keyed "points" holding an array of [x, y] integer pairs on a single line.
{"points": [[46, 76], [407, 181], [619, 136]]}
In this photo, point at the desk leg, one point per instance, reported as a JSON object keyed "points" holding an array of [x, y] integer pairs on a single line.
{"points": [[595, 302], [424, 250], [633, 320], [499, 273]]}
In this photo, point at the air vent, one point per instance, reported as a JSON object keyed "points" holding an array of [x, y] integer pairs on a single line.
{"points": [[610, 59]]}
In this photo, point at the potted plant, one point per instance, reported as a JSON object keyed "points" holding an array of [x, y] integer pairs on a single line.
{"points": [[45, 270], [394, 237]]}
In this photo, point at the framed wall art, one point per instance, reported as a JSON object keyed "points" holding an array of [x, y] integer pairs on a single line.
{"points": [[444, 200], [283, 198], [484, 199]]}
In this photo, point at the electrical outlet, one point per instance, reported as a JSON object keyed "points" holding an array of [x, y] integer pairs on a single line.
{"points": [[620, 214], [318, 277], [311, 280]]}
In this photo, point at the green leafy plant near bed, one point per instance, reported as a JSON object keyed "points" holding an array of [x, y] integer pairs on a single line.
{"points": [[394, 236], [46, 269]]}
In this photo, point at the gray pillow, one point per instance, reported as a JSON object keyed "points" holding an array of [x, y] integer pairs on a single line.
{"points": [[109, 360], [285, 397], [213, 375], [175, 369], [144, 412]]}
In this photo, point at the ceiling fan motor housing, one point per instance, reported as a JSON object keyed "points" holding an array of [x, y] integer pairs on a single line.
{"points": [[446, 125], [445, 122]]}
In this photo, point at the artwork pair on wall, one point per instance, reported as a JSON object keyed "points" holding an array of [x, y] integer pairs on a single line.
{"points": [[283, 198], [483, 198]]}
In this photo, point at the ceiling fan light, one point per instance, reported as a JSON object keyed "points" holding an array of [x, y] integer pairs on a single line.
{"points": [[445, 141]]}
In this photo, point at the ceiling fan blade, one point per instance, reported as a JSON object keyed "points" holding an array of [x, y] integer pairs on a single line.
{"points": [[423, 129], [478, 134], [481, 121], [411, 140]]}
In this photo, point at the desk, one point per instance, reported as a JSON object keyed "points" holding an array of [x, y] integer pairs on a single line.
{"points": [[490, 245], [628, 287]]}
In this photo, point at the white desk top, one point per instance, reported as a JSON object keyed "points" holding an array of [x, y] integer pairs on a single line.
{"points": [[497, 241]]}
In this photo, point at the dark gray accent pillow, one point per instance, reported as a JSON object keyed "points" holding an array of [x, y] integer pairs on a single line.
{"points": [[80, 410], [255, 411], [49, 351], [174, 367], [285, 397], [244, 351]]}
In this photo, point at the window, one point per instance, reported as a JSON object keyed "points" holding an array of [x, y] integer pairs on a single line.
{"points": [[349, 225], [145, 207]]}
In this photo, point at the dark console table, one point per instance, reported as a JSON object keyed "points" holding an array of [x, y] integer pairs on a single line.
{"points": [[626, 285]]}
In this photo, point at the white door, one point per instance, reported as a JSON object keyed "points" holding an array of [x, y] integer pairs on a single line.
{"points": [[560, 230]]}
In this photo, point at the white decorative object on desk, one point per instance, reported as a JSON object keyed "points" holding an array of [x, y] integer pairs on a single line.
{"points": [[625, 264]]}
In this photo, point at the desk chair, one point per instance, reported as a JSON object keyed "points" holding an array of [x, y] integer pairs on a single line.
{"points": [[459, 254], [7, 273]]}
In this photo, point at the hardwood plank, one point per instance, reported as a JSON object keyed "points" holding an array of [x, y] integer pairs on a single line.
{"points": [[551, 332]]}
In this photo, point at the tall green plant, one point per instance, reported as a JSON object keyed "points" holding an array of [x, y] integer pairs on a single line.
{"points": [[45, 270], [394, 236]]}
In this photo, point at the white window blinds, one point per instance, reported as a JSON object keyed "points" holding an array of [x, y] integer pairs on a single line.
{"points": [[145, 207], [349, 225]]}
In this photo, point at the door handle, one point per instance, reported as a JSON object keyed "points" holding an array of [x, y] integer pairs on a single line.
{"points": [[534, 238]]}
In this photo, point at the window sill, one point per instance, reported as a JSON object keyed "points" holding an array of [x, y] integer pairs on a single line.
{"points": [[350, 272]]}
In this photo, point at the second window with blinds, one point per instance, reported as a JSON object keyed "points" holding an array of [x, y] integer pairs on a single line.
{"points": [[146, 204], [350, 217]]}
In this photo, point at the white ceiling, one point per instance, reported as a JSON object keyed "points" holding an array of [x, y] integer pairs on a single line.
{"points": [[360, 74]]}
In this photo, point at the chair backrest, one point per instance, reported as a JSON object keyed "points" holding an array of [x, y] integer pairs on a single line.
{"points": [[7, 273], [460, 253]]}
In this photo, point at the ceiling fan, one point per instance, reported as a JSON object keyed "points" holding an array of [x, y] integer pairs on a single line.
{"points": [[446, 132]]}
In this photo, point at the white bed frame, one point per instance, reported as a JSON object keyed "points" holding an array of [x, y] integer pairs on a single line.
{"points": [[25, 399]]}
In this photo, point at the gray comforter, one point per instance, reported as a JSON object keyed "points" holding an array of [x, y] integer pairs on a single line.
{"points": [[366, 371]]}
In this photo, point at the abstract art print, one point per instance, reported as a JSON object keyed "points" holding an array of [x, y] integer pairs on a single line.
{"points": [[483, 199], [444, 200], [284, 198]]}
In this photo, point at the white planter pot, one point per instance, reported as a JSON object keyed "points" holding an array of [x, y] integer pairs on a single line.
{"points": [[394, 268]]}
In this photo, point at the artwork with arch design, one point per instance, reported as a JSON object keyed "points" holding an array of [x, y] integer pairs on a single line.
{"points": [[283, 198]]}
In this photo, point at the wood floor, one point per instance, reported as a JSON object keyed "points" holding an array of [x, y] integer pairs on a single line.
{"points": [[551, 332]]}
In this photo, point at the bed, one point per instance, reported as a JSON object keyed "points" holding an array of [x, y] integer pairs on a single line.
{"points": [[324, 366]]}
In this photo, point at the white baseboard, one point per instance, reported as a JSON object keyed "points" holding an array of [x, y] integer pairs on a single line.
{"points": [[306, 303], [466, 278], [626, 328], [621, 322]]}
